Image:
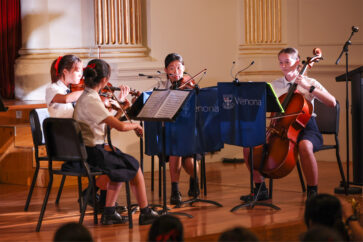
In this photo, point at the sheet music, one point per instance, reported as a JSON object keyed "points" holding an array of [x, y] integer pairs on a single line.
{"points": [[152, 104], [163, 104], [171, 105]]}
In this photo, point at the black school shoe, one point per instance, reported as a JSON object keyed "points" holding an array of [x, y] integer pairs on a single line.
{"points": [[120, 209], [148, 217], [114, 218], [262, 196], [175, 198], [192, 192], [311, 194]]}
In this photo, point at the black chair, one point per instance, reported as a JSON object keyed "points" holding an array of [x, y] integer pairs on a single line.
{"points": [[36, 118], [64, 142], [328, 123]]}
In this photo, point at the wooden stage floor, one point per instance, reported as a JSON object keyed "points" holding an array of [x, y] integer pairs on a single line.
{"points": [[226, 182]]}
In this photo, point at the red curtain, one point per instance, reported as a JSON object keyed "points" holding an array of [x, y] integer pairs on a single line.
{"points": [[10, 43]]}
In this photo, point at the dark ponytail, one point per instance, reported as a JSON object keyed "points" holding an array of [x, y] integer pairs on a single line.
{"points": [[95, 71]]}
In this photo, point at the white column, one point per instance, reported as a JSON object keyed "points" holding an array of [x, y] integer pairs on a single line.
{"points": [[111, 29], [261, 39]]}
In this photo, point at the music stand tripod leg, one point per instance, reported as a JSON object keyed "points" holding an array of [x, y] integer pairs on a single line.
{"points": [[165, 208], [196, 196], [254, 202]]}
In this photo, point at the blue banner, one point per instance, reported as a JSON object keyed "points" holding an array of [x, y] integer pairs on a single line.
{"points": [[208, 124], [180, 135], [243, 113]]}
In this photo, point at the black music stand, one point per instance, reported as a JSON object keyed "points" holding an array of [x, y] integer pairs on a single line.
{"points": [[132, 112], [164, 106], [201, 94], [247, 103]]}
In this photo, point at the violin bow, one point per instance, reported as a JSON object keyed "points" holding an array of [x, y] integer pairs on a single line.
{"points": [[193, 78]]}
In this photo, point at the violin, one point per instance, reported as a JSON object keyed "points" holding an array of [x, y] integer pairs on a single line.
{"points": [[186, 83], [77, 87], [279, 156], [108, 93]]}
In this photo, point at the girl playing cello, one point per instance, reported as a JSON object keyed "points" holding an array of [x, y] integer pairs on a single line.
{"points": [[309, 139]]}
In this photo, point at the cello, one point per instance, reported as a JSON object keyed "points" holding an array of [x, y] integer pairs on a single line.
{"points": [[278, 157]]}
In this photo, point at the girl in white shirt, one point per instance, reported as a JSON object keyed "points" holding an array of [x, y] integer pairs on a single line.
{"points": [[65, 71], [309, 139], [92, 115]]}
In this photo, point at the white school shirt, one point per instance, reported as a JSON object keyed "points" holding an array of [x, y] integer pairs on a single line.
{"points": [[89, 112], [281, 86], [58, 110]]}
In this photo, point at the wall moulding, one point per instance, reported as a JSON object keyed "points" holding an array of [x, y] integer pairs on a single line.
{"points": [[136, 51], [260, 50]]}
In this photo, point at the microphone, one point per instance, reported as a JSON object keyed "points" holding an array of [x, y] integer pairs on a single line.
{"points": [[148, 76], [355, 29], [233, 63], [235, 76], [159, 83]]}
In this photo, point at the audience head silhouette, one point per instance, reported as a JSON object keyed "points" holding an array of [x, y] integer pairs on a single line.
{"points": [[72, 232], [326, 210], [166, 228], [321, 233], [238, 234]]}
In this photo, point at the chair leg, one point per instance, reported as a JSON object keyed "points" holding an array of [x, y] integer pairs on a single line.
{"points": [[303, 188], [341, 166], [45, 202], [60, 189], [152, 173], [96, 207], [32, 186], [88, 192], [270, 188], [129, 210], [203, 176], [81, 202], [201, 172], [160, 167]]}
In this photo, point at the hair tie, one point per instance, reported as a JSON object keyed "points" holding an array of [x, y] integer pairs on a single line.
{"points": [[92, 66], [57, 64], [171, 235]]}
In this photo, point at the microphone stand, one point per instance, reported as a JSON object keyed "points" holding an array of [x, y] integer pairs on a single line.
{"points": [[344, 188]]}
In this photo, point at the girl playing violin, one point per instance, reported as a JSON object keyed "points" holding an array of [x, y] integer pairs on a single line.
{"points": [[174, 68], [64, 71], [93, 116], [309, 139]]}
